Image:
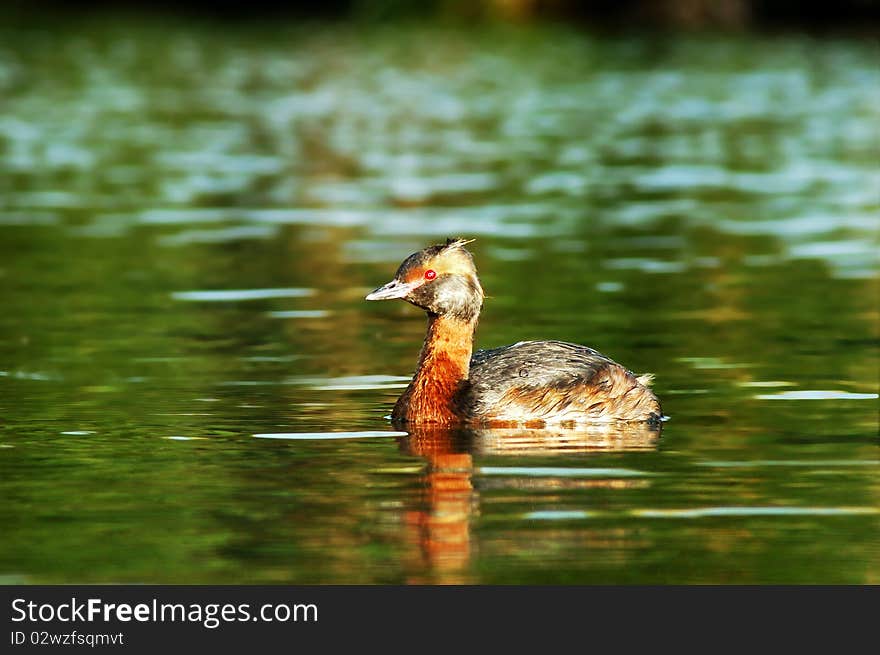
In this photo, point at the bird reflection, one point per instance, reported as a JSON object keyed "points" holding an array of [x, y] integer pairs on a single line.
{"points": [[439, 517]]}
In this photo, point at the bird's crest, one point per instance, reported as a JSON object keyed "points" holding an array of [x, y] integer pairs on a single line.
{"points": [[458, 242]]}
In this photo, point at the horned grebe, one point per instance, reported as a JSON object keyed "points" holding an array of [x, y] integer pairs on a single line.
{"points": [[530, 382]]}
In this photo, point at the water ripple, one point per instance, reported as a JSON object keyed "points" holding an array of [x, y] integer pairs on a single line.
{"points": [[708, 512], [552, 471], [557, 515], [299, 313], [817, 395], [789, 462], [235, 295], [351, 382], [310, 436]]}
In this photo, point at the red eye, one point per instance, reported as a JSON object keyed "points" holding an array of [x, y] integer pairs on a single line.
{"points": [[430, 274]]}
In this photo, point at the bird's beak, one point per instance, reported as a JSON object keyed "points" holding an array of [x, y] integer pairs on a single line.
{"points": [[394, 289]]}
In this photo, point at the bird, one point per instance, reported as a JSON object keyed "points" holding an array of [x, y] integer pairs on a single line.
{"points": [[530, 383]]}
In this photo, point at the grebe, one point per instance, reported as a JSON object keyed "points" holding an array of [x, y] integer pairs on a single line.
{"points": [[530, 382]]}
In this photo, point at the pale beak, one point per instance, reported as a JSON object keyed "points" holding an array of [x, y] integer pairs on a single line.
{"points": [[394, 289]]}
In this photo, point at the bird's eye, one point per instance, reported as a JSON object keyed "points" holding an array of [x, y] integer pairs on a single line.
{"points": [[430, 274]]}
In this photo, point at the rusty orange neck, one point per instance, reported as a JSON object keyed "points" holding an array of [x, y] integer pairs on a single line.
{"points": [[444, 364], [447, 349]]}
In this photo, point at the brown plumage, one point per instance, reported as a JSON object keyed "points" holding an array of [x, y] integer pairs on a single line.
{"points": [[528, 383]]}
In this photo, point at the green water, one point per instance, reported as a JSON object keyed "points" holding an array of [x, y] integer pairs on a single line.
{"points": [[701, 208]]}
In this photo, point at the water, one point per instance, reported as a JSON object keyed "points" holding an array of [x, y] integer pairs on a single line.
{"points": [[192, 389]]}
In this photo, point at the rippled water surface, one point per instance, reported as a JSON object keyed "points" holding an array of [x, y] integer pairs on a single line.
{"points": [[192, 388]]}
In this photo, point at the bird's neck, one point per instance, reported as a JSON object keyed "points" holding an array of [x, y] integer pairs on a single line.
{"points": [[444, 364], [447, 350]]}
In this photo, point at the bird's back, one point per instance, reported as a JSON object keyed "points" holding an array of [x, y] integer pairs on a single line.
{"points": [[554, 382]]}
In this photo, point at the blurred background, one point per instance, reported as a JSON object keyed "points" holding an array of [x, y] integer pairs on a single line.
{"points": [[195, 197], [675, 14]]}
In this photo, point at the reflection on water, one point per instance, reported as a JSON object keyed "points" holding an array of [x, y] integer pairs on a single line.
{"points": [[626, 437], [442, 514], [189, 222], [608, 437]]}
